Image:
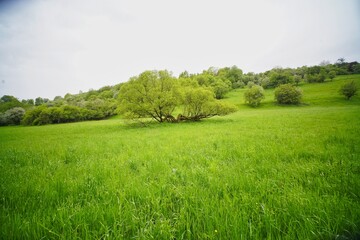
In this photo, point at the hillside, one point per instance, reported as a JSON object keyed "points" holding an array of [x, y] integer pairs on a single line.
{"points": [[273, 172], [315, 94], [148, 89]]}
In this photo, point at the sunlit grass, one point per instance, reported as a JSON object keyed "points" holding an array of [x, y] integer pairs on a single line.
{"points": [[272, 172]]}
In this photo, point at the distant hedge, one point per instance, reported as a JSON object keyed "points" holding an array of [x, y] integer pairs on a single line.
{"points": [[49, 115]]}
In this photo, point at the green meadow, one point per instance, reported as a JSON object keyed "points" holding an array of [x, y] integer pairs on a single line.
{"points": [[273, 172]]}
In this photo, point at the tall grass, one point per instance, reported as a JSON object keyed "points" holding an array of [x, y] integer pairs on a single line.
{"points": [[269, 173]]}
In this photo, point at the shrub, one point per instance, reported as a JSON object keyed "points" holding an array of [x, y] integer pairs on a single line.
{"points": [[3, 121], [238, 84], [220, 88], [316, 78], [254, 95], [250, 84], [32, 114], [265, 82], [280, 77], [199, 103], [332, 75], [288, 94], [349, 90], [297, 79], [12, 116]]}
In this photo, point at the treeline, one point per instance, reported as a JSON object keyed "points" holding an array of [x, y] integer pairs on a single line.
{"points": [[103, 103], [223, 80], [91, 105]]}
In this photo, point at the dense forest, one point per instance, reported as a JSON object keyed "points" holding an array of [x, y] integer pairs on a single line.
{"points": [[112, 100]]}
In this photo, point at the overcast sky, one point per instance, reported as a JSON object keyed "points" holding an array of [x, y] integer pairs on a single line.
{"points": [[54, 47]]}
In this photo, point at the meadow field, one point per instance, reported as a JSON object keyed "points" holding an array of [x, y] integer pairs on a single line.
{"points": [[273, 172]]}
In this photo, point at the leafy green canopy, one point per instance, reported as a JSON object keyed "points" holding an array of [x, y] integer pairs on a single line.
{"points": [[156, 94], [288, 94], [254, 95], [151, 94], [349, 90], [199, 103]]}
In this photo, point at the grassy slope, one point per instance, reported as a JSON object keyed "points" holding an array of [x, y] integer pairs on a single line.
{"points": [[274, 172]]}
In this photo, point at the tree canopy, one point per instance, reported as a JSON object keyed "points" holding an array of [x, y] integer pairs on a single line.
{"points": [[151, 94], [254, 95], [200, 103], [156, 95], [288, 94]]}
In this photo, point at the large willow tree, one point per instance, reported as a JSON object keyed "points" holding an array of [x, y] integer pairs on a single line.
{"points": [[157, 94], [151, 94]]}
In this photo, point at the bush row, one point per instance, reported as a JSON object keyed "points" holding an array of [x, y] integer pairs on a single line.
{"points": [[284, 94], [48, 115]]}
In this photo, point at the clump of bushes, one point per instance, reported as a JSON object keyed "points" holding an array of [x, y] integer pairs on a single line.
{"points": [[43, 114], [12, 116], [288, 94], [349, 90], [254, 95]]}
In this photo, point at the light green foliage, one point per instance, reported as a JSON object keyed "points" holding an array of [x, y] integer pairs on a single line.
{"points": [[199, 103], [322, 75], [32, 114], [220, 87], [188, 83], [250, 84], [101, 108], [95, 109], [157, 94], [238, 84], [254, 95], [184, 74], [101, 104], [264, 82], [91, 105], [218, 84], [288, 94], [106, 94], [277, 172], [152, 94], [349, 90], [233, 74], [249, 77], [195, 100]]}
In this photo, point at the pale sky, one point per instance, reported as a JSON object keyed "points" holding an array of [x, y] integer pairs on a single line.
{"points": [[54, 47]]}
